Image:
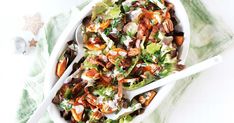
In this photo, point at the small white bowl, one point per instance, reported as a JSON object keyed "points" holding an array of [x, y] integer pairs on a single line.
{"points": [[68, 34]]}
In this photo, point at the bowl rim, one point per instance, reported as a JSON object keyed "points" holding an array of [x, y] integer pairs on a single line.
{"points": [[60, 46]]}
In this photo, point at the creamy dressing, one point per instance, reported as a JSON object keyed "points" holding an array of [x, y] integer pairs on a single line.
{"points": [[92, 39], [113, 52], [127, 3], [108, 41], [88, 79], [100, 99], [104, 58], [114, 31], [127, 41], [158, 17], [131, 81], [134, 14], [122, 53], [115, 72], [79, 109]]}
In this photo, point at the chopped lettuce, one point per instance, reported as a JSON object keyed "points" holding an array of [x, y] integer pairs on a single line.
{"points": [[131, 28], [113, 12], [144, 82], [126, 8], [103, 7], [170, 60], [169, 65], [88, 65], [110, 121], [99, 8], [107, 92], [126, 119], [153, 47], [146, 57], [108, 2]]}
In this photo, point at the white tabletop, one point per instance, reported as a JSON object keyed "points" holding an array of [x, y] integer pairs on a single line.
{"points": [[210, 99]]}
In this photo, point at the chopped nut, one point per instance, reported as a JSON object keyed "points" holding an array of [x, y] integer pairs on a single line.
{"points": [[133, 52], [168, 25], [109, 65]]}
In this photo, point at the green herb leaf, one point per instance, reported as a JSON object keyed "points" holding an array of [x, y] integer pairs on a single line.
{"points": [[126, 8], [68, 93], [65, 105], [107, 92]]}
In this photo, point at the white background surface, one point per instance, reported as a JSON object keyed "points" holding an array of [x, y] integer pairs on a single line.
{"points": [[210, 99]]}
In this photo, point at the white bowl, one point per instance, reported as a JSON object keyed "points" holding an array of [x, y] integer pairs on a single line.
{"points": [[68, 34]]}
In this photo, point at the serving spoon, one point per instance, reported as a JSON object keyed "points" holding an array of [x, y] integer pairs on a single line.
{"points": [[130, 94], [48, 99]]}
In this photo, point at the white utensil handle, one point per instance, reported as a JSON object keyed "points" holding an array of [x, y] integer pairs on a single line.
{"points": [[176, 76], [48, 99]]}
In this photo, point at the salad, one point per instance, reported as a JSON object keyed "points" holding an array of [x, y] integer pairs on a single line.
{"points": [[128, 44]]}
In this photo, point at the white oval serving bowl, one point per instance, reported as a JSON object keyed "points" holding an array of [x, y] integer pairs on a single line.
{"points": [[68, 34]]}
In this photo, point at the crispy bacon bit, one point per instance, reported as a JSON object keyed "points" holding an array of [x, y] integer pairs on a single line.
{"points": [[105, 80], [120, 88], [125, 63], [93, 73], [81, 101], [77, 88], [91, 99], [133, 52], [147, 23], [97, 115], [141, 31]]}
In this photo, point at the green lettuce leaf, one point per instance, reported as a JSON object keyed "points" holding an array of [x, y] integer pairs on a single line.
{"points": [[113, 12], [144, 82], [107, 92], [153, 47], [99, 8], [126, 119]]}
